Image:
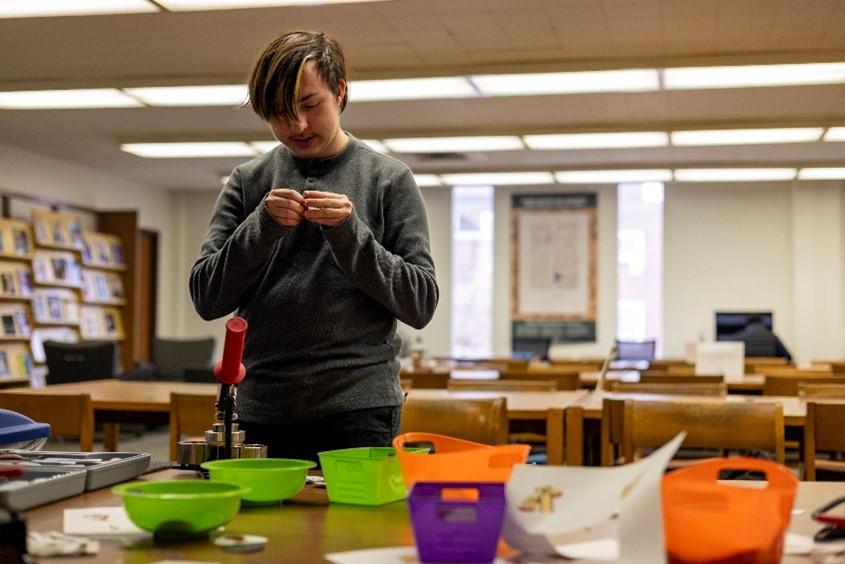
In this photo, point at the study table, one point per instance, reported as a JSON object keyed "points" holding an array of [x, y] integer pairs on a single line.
{"points": [[747, 384], [306, 527]]}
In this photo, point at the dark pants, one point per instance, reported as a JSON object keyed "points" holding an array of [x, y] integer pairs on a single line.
{"points": [[363, 427]]}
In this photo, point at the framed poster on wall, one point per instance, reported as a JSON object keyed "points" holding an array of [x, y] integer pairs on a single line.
{"points": [[553, 266]]}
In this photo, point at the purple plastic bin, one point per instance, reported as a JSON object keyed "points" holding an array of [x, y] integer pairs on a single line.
{"points": [[457, 531]]}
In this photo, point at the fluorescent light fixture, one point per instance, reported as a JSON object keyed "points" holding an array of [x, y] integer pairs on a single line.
{"points": [[410, 89], [198, 5], [835, 134], [598, 140], [831, 173], [753, 75], [633, 80], [375, 145], [747, 136], [612, 176], [424, 180], [54, 8], [189, 150], [264, 146], [454, 144], [733, 174], [66, 99], [222, 95], [497, 178]]}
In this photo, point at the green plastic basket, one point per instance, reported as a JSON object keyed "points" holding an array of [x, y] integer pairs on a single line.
{"points": [[364, 475]]}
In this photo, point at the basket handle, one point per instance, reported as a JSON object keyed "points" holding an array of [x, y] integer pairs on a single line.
{"points": [[776, 475]]}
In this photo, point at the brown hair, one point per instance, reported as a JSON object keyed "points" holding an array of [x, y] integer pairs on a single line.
{"points": [[274, 78]]}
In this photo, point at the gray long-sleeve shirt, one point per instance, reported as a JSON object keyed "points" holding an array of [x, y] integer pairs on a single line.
{"points": [[321, 303]]}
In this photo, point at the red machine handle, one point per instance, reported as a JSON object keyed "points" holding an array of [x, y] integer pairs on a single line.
{"points": [[230, 370]]}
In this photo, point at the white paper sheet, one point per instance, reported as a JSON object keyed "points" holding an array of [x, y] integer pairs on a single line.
{"points": [[593, 505], [726, 358], [96, 521]]}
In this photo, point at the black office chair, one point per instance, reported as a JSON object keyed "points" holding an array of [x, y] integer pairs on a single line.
{"points": [[635, 350], [176, 360], [530, 348], [77, 362]]}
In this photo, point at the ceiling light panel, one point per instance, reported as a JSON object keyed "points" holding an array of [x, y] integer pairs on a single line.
{"points": [[747, 136], [199, 5], [66, 99], [264, 146], [375, 145], [410, 89], [56, 8], [218, 95], [454, 144], [189, 150], [633, 80], [424, 180], [753, 75], [598, 140], [835, 134], [612, 176], [497, 178], [832, 173], [733, 174]]}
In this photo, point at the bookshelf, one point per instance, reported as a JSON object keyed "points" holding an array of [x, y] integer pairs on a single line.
{"points": [[16, 294]]}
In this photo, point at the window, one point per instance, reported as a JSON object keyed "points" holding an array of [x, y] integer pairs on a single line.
{"points": [[472, 272], [640, 262]]}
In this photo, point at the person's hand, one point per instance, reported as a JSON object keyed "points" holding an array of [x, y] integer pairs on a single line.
{"points": [[326, 208], [286, 206]]}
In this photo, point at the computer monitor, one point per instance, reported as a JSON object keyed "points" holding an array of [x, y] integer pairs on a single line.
{"points": [[729, 323], [528, 348], [76, 362]]}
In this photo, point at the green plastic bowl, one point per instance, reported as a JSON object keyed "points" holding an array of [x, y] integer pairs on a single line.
{"points": [[180, 507], [269, 480]]}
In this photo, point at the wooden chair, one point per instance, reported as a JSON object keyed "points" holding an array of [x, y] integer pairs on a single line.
{"points": [[482, 421], [709, 425], [823, 432], [754, 364], [821, 391], [676, 389], [650, 378], [68, 415], [788, 385], [425, 380], [613, 409], [563, 379], [406, 384], [792, 371], [681, 370], [835, 366], [502, 385], [190, 414]]}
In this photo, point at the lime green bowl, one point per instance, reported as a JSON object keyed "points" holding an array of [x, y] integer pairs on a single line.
{"points": [[269, 480], [180, 507]]}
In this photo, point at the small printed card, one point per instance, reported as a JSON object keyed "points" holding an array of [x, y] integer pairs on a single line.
{"points": [[95, 521]]}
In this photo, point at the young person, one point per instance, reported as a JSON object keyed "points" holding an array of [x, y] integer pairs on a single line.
{"points": [[321, 245]]}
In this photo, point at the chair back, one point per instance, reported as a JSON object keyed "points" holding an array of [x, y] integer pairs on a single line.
{"points": [[190, 414], [478, 420], [171, 356], [77, 362], [823, 432], [652, 378], [503, 385], [709, 425], [719, 389], [563, 379], [788, 385], [810, 391], [69, 415], [635, 350]]}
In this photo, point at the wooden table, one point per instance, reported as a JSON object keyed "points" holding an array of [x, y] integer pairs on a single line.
{"points": [[123, 401], [307, 527], [590, 408], [748, 384], [522, 406]]}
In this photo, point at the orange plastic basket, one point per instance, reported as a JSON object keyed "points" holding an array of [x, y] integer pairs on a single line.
{"points": [[456, 460], [710, 521]]}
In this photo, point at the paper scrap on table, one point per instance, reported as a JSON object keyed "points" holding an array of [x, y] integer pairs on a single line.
{"points": [[99, 521], [590, 513], [392, 555]]}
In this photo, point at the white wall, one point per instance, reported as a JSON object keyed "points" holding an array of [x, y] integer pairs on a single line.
{"points": [[25, 172]]}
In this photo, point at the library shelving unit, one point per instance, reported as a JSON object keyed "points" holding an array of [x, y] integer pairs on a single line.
{"points": [[16, 294]]}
